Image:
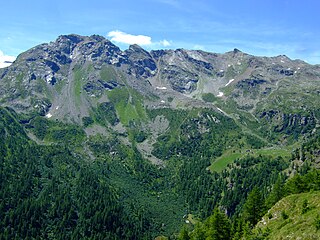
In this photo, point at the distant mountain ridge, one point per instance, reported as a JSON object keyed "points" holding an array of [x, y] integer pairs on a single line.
{"points": [[67, 78]]}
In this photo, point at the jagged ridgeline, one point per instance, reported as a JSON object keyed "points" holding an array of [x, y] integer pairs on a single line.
{"points": [[101, 143]]}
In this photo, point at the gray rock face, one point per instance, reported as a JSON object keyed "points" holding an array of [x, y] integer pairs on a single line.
{"points": [[98, 50], [180, 80], [292, 123], [67, 43], [141, 63], [181, 69], [36, 71]]}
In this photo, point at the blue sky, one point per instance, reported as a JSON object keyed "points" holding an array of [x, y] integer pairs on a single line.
{"points": [[264, 28]]}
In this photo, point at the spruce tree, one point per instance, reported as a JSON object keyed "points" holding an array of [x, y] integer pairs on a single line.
{"points": [[254, 207], [218, 226]]}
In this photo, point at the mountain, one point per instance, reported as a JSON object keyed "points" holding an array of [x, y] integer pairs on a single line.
{"points": [[67, 78], [161, 137]]}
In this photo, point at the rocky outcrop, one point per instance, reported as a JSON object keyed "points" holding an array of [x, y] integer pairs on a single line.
{"points": [[250, 83], [180, 80], [141, 63], [98, 50], [289, 123], [92, 87], [181, 69]]}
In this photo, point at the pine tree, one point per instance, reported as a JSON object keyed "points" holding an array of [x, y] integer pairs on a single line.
{"points": [[276, 194], [254, 207], [222, 224], [218, 226]]}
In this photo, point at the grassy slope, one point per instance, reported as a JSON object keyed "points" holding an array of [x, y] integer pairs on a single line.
{"points": [[298, 225], [128, 105], [230, 156]]}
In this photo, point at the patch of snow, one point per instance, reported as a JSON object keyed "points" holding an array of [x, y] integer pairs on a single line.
{"points": [[162, 101], [239, 63], [229, 65], [273, 63], [230, 81], [221, 70], [161, 88], [295, 72], [282, 61], [49, 115], [49, 78], [57, 107], [220, 94], [221, 111], [298, 68], [36, 106], [114, 60]]}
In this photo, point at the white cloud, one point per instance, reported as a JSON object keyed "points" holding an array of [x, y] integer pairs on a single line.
{"points": [[142, 40], [6, 60], [121, 37], [165, 43]]}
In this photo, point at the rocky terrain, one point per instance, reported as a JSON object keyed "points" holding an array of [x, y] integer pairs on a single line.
{"points": [[69, 77]]}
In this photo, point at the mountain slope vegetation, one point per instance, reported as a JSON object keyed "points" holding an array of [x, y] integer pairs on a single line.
{"points": [[100, 143]]}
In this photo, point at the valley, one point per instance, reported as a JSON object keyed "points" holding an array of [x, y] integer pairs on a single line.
{"points": [[101, 143]]}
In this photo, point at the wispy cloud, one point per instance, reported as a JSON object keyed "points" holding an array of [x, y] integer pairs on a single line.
{"points": [[165, 43], [6, 60], [126, 38]]}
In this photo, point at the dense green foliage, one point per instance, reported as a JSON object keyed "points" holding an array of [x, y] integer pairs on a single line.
{"points": [[261, 197], [195, 133], [253, 209], [50, 131], [215, 227], [48, 193], [101, 187]]}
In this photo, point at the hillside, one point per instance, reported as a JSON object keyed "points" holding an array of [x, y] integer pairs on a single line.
{"points": [[133, 144], [294, 217]]}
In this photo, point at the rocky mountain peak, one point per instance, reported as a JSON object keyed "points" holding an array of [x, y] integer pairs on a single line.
{"points": [[141, 62], [136, 48], [66, 43]]}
